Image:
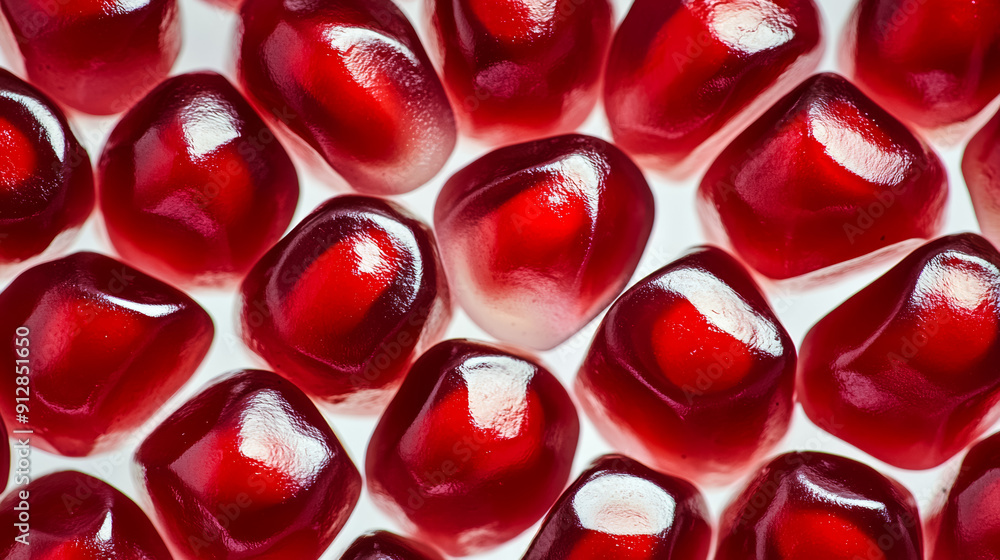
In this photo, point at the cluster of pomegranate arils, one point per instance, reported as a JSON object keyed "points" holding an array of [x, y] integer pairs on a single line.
{"points": [[690, 375]]}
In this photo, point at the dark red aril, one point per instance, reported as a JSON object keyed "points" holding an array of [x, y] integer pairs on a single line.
{"points": [[105, 347], [539, 237], [351, 81], [824, 178], [474, 448], [690, 371], [685, 76], [346, 301], [46, 180], [194, 187], [248, 469], [905, 369], [619, 508]]}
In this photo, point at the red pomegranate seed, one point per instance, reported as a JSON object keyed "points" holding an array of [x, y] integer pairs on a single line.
{"points": [[95, 56], [107, 346], [967, 524], [932, 63], [538, 238], [690, 371], [821, 507], [351, 80], [618, 508], [474, 448], [383, 545], [193, 185], [824, 177], [69, 515], [685, 76], [248, 469], [344, 303], [520, 69], [981, 168], [904, 369], [46, 182]]}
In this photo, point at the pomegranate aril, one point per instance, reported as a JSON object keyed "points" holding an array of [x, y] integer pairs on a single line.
{"points": [[935, 64], [383, 545], [520, 69], [469, 421], [981, 169], [351, 81], [685, 76], [967, 525], [820, 507], [824, 177], [193, 185], [905, 368], [46, 181], [248, 469], [72, 516], [619, 508], [346, 301], [95, 56], [690, 371], [538, 238], [106, 346]]}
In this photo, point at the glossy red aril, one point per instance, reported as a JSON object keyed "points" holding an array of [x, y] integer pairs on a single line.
{"points": [[824, 177], [248, 469], [932, 63], [383, 545], [981, 168], [619, 508], [346, 301], [539, 237], [690, 371], [46, 182], [967, 525], [5, 448], [478, 430], [520, 69], [820, 507], [106, 347], [69, 515], [352, 81], [193, 185], [685, 76], [95, 56], [905, 369]]}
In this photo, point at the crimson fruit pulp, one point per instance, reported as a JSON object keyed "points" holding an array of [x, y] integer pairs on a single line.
{"points": [[383, 545], [690, 371], [346, 301], [685, 76], [981, 168], [967, 526], [824, 177], [73, 516], [46, 181], [248, 469], [103, 347], [821, 507], [619, 508], [474, 448], [933, 63], [193, 185], [905, 369], [94, 56], [350, 80], [538, 238], [520, 69]]}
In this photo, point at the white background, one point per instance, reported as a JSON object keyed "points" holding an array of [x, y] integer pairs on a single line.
{"points": [[208, 44]]}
